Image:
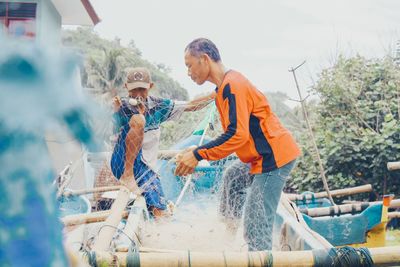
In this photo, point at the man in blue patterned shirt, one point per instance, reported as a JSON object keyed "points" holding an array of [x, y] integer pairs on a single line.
{"points": [[137, 120]]}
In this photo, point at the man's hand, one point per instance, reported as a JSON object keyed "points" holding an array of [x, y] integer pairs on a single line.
{"points": [[116, 103], [186, 161], [141, 108]]}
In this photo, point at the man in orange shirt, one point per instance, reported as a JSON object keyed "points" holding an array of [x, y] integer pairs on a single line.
{"points": [[251, 130]]}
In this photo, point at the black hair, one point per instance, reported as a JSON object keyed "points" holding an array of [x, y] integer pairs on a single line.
{"points": [[201, 46]]}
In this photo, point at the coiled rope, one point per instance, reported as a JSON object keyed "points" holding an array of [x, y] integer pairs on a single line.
{"points": [[343, 256]]}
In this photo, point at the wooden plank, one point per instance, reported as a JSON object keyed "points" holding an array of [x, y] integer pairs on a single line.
{"points": [[336, 193]]}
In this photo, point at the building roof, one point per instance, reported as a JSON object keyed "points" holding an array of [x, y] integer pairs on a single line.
{"points": [[76, 12]]}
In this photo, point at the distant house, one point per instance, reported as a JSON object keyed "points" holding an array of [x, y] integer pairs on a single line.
{"points": [[41, 20]]}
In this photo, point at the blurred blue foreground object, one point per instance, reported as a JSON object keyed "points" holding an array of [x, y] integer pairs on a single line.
{"points": [[38, 90]]}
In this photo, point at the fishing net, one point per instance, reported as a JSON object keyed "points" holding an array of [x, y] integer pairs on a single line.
{"points": [[168, 129], [207, 204]]}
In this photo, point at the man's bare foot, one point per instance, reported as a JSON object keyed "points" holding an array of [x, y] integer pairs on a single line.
{"points": [[159, 214], [128, 180]]}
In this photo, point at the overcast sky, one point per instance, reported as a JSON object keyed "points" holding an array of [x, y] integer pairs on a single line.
{"points": [[262, 39]]}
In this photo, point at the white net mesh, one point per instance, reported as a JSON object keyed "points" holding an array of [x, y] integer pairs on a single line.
{"points": [[168, 129]]}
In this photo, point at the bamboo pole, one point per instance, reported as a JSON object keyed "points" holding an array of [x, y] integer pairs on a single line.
{"points": [[346, 208], [92, 190], [103, 239], [336, 193], [335, 210], [393, 165], [321, 168], [189, 177], [394, 204], [134, 223], [83, 218], [380, 256], [125, 248]]}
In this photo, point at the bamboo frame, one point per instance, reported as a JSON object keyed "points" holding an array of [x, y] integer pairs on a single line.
{"points": [[336, 193], [346, 208]]}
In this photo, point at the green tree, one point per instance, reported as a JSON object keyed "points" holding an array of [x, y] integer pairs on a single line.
{"points": [[108, 73], [356, 127], [106, 63], [288, 116]]}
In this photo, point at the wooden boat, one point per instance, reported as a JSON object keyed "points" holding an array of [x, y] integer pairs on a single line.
{"points": [[304, 240]]}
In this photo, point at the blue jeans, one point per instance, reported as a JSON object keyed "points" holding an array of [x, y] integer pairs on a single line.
{"points": [[260, 210]]}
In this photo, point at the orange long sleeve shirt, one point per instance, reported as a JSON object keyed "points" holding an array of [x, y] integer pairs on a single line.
{"points": [[251, 129]]}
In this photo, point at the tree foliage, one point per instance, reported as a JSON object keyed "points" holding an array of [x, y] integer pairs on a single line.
{"points": [[356, 125], [106, 64]]}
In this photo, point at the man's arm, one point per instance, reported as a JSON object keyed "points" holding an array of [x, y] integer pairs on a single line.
{"points": [[200, 102], [178, 107], [236, 134]]}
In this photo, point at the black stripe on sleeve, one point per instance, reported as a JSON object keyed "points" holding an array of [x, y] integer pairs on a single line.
{"points": [[197, 155], [231, 129], [261, 143]]}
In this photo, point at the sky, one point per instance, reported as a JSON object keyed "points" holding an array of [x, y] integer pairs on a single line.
{"points": [[262, 39]]}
